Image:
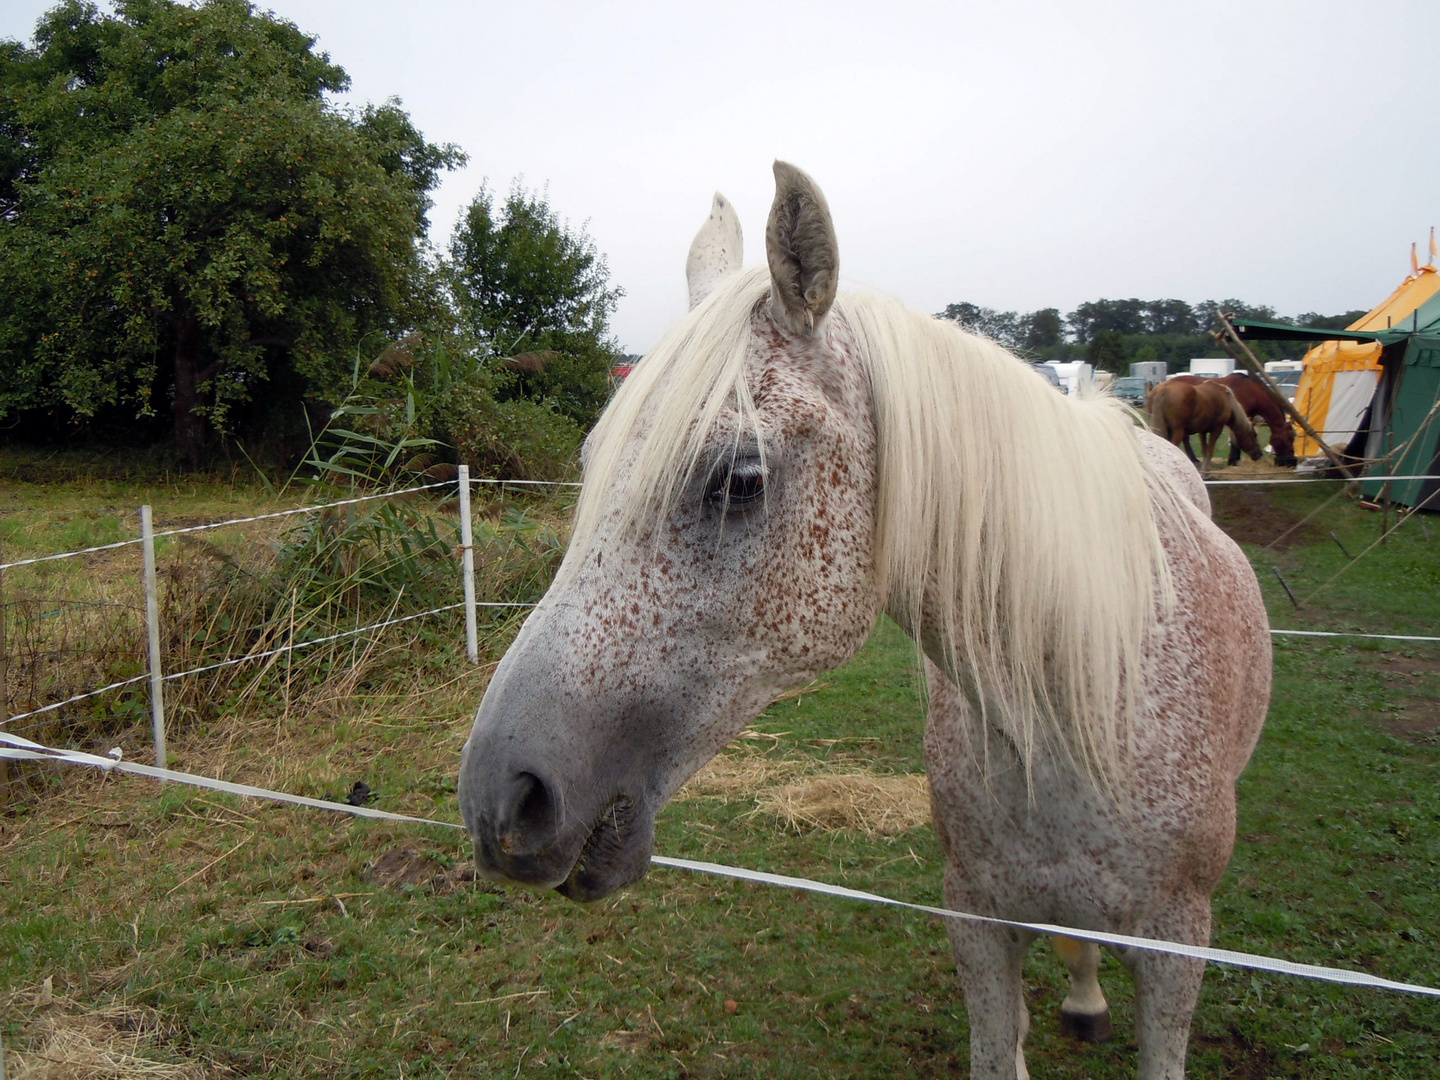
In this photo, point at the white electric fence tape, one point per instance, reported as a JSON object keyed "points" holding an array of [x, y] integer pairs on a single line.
{"points": [[1342, 633], [1316, 480], [16, 748]]}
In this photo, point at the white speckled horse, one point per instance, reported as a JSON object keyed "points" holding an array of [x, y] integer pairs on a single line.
{"points": [[787, 463]]}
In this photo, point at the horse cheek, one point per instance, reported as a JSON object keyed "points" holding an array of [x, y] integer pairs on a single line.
{"points": [[819, 604]]}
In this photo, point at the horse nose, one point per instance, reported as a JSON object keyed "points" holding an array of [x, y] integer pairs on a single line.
{"points": [[528, 813]]}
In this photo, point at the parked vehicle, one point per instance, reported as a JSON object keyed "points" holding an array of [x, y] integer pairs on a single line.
{"points": [[1208, 367], [1046, 372], [1287, 373], [1074, 375], [1152, 371], [1132, 389]]}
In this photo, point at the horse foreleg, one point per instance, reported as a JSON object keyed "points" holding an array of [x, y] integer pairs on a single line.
{"points": [[1166, 989], [989, 959], [1207, 451], [1084, 1013]]}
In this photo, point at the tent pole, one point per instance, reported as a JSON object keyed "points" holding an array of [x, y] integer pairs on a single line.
{"points": [[1248, 360]]}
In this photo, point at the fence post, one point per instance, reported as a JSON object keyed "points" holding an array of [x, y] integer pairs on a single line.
{"points": [[467, 560], [152, 622]]}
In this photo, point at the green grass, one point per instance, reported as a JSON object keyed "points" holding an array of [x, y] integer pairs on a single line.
{"points": [[268, 948]]}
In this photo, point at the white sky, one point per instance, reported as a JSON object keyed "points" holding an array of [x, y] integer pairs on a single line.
{"points": [[1010, 153]]}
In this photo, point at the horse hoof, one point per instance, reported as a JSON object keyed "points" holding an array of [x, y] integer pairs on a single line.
{"points": [[1087, 1027]]}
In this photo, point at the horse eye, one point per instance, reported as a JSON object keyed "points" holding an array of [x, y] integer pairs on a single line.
{"points": [[742, 484]]}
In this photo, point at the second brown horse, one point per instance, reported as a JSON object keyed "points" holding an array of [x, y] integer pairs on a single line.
{"points": [[1180, 408]]}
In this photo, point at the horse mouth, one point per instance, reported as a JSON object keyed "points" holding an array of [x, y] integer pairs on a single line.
{"points": [[608, 859]]}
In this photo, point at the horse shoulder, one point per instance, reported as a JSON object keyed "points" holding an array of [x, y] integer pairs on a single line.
{"points": [[1173, 469]]}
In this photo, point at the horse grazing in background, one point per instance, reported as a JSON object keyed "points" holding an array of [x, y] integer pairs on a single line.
{"points": [[1260, 407], [1185, 406], [787, 463]]}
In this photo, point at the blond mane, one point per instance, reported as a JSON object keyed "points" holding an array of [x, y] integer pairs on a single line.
{"points": [[1030, 510]]}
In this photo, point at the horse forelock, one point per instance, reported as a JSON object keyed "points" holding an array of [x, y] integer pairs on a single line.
{"points": [[1015, 528]]}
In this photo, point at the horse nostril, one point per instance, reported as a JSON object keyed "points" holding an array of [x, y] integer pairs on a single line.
{"points": [[534, 817]]}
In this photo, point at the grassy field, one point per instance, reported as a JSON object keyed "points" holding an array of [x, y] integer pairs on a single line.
{"points": [[221, 937]]}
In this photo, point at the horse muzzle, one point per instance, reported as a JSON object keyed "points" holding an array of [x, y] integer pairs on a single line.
{"points": [[523, 831]]}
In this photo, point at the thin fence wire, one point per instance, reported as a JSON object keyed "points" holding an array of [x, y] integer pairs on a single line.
{"points": [[76, 697], [557, 483], [280, 514], [294, 646], [336, 637]]}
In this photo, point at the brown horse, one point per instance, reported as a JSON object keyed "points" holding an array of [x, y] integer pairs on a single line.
{"points": [[1180, 407], [1260, 406]]}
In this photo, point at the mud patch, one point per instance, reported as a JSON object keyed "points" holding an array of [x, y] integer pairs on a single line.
{"points": [[1243, 1059], [1249, 517], [410, 867], [1415, 681]]}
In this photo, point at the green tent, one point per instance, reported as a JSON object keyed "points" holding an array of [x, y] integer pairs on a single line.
{"points": [[1404, 414]]}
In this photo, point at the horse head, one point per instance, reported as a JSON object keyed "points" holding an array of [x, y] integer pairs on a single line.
{"points": [[721, 554]]}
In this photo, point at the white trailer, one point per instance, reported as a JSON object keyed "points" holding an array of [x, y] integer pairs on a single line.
{"points": [[1212, 366], [1074, 375]]}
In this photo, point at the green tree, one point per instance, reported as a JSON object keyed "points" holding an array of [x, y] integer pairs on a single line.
{"points": [[1000, 326], [537, 293], [1043, 329], [185, 217], [1107, 352]]}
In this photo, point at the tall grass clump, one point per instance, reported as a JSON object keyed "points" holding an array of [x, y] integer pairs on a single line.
{"points": [[284, 612]]}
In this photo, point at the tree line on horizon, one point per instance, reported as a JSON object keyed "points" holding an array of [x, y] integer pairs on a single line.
{"points": [[197, 246], [1112, 334]]}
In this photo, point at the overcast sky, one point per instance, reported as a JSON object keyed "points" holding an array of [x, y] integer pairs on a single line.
{"points": [[1013, 154]]}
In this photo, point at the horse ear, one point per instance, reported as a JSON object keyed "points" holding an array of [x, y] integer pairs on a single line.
{"points": [[716, 252], [801, 249]]}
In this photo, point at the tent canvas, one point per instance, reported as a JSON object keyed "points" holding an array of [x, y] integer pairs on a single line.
{"points": [[1405, 435], [1403, 429], [1340, 376]]}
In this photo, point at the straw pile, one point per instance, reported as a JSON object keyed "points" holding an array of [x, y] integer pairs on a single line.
{"points": [[865, 801], [63, 1043], [807, 797]]}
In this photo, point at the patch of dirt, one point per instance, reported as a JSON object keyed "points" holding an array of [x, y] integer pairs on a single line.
{"points": [[409, 866], [1243, 1059], [1249, 517], [1417, 681]]}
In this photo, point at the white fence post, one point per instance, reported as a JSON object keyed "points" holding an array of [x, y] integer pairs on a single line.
{"points": [[152, 622], [467, 559]]}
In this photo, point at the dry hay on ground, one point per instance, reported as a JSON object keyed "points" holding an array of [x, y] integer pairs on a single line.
{"points": [[808, 798], [873, 804], [64, 1042]]}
